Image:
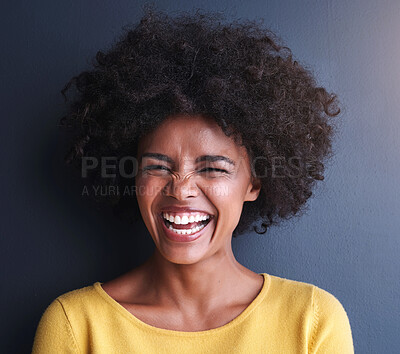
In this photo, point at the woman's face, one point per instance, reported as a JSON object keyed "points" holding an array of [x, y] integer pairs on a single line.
{"points": [[189, 170]]}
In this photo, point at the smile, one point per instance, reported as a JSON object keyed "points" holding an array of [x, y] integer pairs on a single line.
{"points": [[185, 224]]}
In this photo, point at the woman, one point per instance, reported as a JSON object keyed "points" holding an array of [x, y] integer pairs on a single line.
{"points": [[216, 115]]}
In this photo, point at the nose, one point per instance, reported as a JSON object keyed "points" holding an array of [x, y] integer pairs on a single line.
{"points": [[181, 187]]}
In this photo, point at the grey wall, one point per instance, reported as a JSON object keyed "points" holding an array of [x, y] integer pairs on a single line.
{"points": [[53, 240]]}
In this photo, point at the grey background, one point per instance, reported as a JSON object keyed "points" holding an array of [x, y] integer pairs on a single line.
{"points": [[54, 240]]}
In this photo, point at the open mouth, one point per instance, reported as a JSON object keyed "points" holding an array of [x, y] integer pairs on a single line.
{"points": [[186, 226]]}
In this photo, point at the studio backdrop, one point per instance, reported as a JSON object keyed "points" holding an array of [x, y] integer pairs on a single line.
{"points": [[54, 239]]}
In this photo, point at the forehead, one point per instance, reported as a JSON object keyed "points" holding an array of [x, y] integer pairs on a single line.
{"points": [[190, 136]]}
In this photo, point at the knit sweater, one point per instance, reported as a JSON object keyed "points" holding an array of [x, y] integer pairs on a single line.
{"points": [[285, 317]]}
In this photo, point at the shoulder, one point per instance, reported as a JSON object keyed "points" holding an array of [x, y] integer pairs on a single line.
{"points": [[293, 293], [71, 306], [304, 292], [82, 304], [322, 303], [78, 295], [331, 326], [326, 318], [74, 300], [55, 331]]}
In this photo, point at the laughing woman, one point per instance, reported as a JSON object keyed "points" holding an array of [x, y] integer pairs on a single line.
{"points": [[227, 131]]}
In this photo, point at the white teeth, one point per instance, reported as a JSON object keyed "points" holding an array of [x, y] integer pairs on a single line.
{"points": [[184, 220], [188, 231]]}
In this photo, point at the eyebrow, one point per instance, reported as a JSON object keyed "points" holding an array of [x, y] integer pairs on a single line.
{"points": [[157, 157], [213, 158], [208, 158]]}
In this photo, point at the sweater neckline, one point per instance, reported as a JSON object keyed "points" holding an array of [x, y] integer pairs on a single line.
{"points": [[234, 322]]}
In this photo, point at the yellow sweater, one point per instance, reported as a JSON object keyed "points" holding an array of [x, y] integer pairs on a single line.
{"points": [[286, 317]]}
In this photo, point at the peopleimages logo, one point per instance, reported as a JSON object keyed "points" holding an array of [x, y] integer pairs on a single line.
{"points": [[110, 167], [274, 167], [108, 163]]}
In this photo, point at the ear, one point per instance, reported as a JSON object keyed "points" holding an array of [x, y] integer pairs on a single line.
{"points": [[253, 190]]}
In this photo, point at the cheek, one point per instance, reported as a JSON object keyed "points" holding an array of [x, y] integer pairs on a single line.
{"points": [[147, 188], [146, 192], [230, 189], [216, 191], [227, 197]]}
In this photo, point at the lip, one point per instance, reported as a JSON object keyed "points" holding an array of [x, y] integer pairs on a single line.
{"points": [[182, 238]]}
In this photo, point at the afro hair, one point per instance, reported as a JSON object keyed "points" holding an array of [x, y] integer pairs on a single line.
{"points": [[236, 72]]}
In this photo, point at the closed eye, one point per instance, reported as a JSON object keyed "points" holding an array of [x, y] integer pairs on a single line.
{"points": [[155, 167], [160, 167], [214, 169]]}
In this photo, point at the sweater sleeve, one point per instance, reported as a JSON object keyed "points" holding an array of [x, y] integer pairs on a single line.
{"points": [[54, 333], [330, 332]]}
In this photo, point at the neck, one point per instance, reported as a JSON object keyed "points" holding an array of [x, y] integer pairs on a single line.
{"points": [[202, 285]]}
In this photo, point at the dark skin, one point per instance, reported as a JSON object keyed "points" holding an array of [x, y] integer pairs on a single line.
{"points": [[196, 285]]}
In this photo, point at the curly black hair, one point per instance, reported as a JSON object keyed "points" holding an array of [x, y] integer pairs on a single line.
{"points": [[235, 72]]}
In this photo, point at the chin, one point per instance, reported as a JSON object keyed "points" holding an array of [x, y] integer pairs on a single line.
{"points": [[183, 255]]}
